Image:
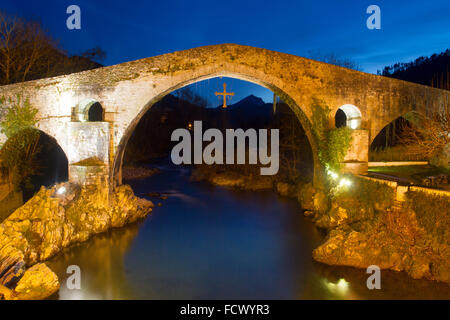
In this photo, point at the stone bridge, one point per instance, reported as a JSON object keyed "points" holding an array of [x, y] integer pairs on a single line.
{"points": [[124, 92]]}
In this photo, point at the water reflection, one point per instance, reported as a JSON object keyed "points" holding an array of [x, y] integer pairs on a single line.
{"points": [[213, 243], [101, 260]]}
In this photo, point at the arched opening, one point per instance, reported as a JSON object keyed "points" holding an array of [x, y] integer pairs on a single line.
{"points": [[34, 159], [209, 203], [88, 110], [95, 112], [348, 116], [388, 145], [301, 120]]}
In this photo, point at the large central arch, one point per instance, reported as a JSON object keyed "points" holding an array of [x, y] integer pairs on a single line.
{"points": [[300, 114], [127, 90]]}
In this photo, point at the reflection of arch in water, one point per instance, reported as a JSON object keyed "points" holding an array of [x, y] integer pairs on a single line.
{"points": [[107, 250]]}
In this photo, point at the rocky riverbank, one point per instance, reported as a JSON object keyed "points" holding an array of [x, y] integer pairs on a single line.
{"points": [[53, 219], [232, 179], [135, 172], [368, 226]]}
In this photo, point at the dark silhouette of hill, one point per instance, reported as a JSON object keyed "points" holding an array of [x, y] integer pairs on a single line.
{"points": [[431, 71]]}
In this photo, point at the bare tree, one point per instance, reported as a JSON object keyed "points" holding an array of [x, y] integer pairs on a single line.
{"points": [[428, 137], [28, 52], [332, 58], [23, 47], [189, 95]]}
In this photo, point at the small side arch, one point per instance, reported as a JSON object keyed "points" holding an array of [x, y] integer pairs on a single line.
{"points": [[348, 115], [88, 110]]}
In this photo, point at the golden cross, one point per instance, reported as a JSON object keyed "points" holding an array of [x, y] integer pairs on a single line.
{"points": [[224, 94]]}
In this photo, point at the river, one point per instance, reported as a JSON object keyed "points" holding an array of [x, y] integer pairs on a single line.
{"points": [[207, 242]]}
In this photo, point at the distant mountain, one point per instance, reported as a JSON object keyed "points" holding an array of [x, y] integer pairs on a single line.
{"points": [[247, 102], [250, 112]]}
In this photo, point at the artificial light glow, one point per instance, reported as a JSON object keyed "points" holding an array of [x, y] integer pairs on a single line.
{"points": [[341, 287], [354, 124], [61, 190], [333, 175], [345, 183]]}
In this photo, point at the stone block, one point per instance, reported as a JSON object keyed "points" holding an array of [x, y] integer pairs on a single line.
{"points": [[88, 140], [355, 167], [359, 147]]}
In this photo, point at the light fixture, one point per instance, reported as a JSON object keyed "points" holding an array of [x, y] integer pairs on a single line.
{"points": [[61, 190]]}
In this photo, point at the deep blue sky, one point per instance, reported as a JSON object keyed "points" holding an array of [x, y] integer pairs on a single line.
{"points": [[129, 30]]}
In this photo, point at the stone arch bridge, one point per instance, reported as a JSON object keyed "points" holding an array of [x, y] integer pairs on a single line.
{"points": [[127, 90]]}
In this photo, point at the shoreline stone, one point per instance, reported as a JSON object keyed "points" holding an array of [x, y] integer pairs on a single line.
{"points": [[385, 233], [233, 180], [136, 173], [53, 220]]}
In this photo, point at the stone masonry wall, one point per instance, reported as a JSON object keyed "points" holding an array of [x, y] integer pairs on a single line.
{"points": [[127, 90]]}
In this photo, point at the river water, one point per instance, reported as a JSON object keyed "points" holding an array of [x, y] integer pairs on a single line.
{"points": [[208, 242]]}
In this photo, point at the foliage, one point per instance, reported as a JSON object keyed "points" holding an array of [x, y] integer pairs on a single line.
{"points": [[433, 70], [433, 214], [332, 58], [395, 153], [28, 52], [339, 140], [19, 116], [189, 95], [296, 159], [332, 143], [365, 197], [19, 151], [429, 137], [18, 154]]}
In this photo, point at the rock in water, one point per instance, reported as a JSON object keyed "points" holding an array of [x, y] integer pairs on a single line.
{"points": [[5, 293], [51, 221], [37, 283], [11, 269]]}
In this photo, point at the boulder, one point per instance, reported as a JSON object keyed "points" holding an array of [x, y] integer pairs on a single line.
{"points": [[52, 220], [37, 283]]}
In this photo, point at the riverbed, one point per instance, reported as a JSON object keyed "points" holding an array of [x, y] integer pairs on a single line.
{"points": [[207, 242]]}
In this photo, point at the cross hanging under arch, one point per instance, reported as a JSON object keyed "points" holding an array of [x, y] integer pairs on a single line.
{"points": [[224, 94]]}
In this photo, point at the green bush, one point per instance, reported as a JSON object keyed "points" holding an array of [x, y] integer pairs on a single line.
{"points": [[18, 154], [19, 115], [333, 143], [365, 196]]}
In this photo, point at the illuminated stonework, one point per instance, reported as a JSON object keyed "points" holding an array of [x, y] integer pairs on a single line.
{"points": [[126, 91]]}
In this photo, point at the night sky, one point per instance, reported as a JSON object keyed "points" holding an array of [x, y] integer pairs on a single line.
{"points": [[130, 30]]}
